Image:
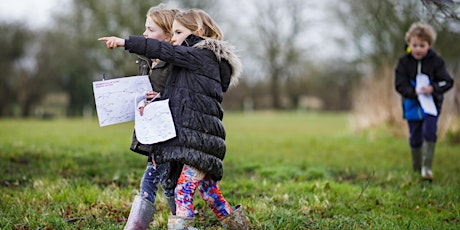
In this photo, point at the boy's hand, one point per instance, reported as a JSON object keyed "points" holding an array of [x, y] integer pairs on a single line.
{"points": [[426, 90], [113, 42]]}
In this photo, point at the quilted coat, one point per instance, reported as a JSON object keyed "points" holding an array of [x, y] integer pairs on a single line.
{"points": [[203, 69]]}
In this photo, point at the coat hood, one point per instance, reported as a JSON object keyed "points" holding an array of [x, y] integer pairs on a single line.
{"points": [[224, 51]]}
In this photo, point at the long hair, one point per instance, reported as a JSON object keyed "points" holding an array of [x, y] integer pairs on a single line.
{"points": [[198, 21]]}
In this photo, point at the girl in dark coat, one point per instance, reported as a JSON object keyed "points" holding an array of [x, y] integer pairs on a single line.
{"points": [[203, 69], [421, 59]]}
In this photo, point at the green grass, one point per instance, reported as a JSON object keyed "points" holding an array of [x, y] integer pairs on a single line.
{"points": [[289, 170]]}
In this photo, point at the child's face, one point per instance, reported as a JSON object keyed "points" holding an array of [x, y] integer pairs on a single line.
{"points": [[418, 47], [180, 33], [152, 30]]}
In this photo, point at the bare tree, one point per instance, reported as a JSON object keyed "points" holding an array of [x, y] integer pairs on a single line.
{"points": [[13, 49], [447, 9], [279, 27]]}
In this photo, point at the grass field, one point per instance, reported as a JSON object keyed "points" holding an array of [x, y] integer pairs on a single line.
{"points": [[289, 170]]}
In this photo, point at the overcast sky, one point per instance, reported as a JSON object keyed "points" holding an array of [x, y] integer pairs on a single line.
{"points": [[33, 13]]}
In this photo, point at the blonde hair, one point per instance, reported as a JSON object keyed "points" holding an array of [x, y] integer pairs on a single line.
{"points": [[163, 18], [423, 31], [198, 21]]}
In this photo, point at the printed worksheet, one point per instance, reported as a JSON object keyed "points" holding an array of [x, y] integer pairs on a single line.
{"points": [[156, 124], [426, 100], [116, 98]]}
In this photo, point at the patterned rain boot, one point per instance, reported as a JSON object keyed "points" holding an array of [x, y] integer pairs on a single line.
{"points": [[427, 160], [141, 214], [236, 220]]}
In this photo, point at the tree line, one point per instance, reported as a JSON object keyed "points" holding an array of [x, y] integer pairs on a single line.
{"points": [[57, 65]]}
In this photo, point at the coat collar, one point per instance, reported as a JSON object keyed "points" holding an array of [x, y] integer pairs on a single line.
{"points": [[191, 40]]}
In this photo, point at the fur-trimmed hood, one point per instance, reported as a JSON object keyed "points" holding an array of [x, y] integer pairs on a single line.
{"points": [[224, 50]]}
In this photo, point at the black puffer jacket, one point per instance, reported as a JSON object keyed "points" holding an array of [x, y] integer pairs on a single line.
{"points": [[433, 66], [203, 69]]}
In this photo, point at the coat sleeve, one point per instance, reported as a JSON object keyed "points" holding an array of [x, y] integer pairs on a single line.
{"points": [[442, 79], [402, 81], [182, 56]]}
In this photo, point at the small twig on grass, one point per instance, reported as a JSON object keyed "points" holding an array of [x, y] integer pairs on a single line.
{"points": [[367, 185], [75, 219]]}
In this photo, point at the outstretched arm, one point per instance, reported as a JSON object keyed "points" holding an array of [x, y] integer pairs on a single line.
{"points": [[113, 42]]}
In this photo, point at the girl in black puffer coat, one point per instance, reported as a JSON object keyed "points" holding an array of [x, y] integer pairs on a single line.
{"points": [[203, 69]]}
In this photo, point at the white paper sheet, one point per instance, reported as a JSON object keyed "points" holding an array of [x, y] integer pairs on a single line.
{"points": [[156, 124], [426, 100], [115, 98]]}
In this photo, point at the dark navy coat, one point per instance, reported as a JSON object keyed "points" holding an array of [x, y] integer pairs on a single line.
{"points": [[433, 66]]}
